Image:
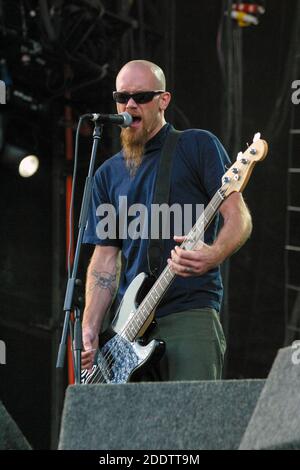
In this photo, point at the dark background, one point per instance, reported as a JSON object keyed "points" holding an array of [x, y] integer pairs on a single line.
{"points": [[66, 54]]}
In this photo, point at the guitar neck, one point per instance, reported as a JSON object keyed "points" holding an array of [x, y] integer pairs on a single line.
{"points": [[156, 293]]}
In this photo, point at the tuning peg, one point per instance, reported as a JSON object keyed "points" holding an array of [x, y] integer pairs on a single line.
{"points": [[226, 180], [241, 158], [256, 137]]}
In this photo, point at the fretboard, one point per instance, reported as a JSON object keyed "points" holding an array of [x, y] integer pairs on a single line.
{"points": [[156, 293]]}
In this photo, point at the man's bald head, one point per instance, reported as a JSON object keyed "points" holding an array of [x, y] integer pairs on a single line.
{"points": [[134, 80], [149, 69]]}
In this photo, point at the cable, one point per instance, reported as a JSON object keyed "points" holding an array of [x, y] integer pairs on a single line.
{"points": [[46, 20], [282, 105], [71, 228]]}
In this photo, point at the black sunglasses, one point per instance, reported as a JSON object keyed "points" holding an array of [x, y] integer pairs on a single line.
{"points": [[140, 97]]}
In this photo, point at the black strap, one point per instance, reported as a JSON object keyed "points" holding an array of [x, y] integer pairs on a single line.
{"points": [[161, 196]]}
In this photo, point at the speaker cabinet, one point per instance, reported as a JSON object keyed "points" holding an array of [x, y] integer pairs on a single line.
{"points": [[275, 423], [167, 415]]}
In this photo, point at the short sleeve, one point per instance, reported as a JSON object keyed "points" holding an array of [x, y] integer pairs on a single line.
{"points": [[102, 228], [214, 162]]}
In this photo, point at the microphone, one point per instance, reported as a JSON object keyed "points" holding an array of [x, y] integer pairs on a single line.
{"points": [[122, 119]]}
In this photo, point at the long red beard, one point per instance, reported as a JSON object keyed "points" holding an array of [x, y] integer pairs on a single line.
{"points": [[133, 148]]}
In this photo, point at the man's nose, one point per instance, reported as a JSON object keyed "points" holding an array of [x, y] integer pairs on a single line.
{"points": [[131, 103]]}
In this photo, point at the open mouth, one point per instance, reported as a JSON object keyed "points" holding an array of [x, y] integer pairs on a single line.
{"points": [[135, 121]]}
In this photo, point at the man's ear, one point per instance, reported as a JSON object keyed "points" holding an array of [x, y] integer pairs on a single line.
{"points": [[165, 99]]}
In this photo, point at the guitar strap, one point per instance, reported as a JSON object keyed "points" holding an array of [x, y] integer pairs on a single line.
{"points": [[161, 196]]}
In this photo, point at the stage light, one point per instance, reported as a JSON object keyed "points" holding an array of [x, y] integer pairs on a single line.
{"points": [[28, 166], [20, 160]]}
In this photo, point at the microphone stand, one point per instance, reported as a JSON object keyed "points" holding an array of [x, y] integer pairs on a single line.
{"points": [[73, 281]]}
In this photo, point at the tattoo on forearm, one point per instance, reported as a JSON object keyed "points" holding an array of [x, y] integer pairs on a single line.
{"points": [[104, 280]]}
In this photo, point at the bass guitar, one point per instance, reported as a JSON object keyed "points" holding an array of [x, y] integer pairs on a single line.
{"points": [[122, 354]]}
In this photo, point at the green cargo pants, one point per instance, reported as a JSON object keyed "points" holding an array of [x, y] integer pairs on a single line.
{"points": [[195, 347]]}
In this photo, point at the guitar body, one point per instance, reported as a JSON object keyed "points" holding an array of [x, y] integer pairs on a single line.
{"points": [[118, 359]]}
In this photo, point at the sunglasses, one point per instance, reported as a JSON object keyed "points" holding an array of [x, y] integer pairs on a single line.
{"points": [[140, 97]]}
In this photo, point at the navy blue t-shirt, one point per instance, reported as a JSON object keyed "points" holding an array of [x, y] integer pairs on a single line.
{"points": [[198, 166]]}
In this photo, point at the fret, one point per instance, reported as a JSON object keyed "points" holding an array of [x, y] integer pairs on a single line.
{"points": [[169, 274], [153, 297], [132, 328], [147, 301], [164, 281], [156, 295], [159, 289], [200, 226], [159, 281], [143, 309], [126, 335], [219, 193], [138, 322]]}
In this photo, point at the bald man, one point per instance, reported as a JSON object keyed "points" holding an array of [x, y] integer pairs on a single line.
{"points": [[136, 76], [188, 316]]}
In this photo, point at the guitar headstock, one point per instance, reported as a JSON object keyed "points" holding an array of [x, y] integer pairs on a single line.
{"points": [[236, 178]]}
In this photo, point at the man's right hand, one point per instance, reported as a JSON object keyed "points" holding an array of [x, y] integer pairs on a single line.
{"points": [[99, 290], [90, 345]]}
